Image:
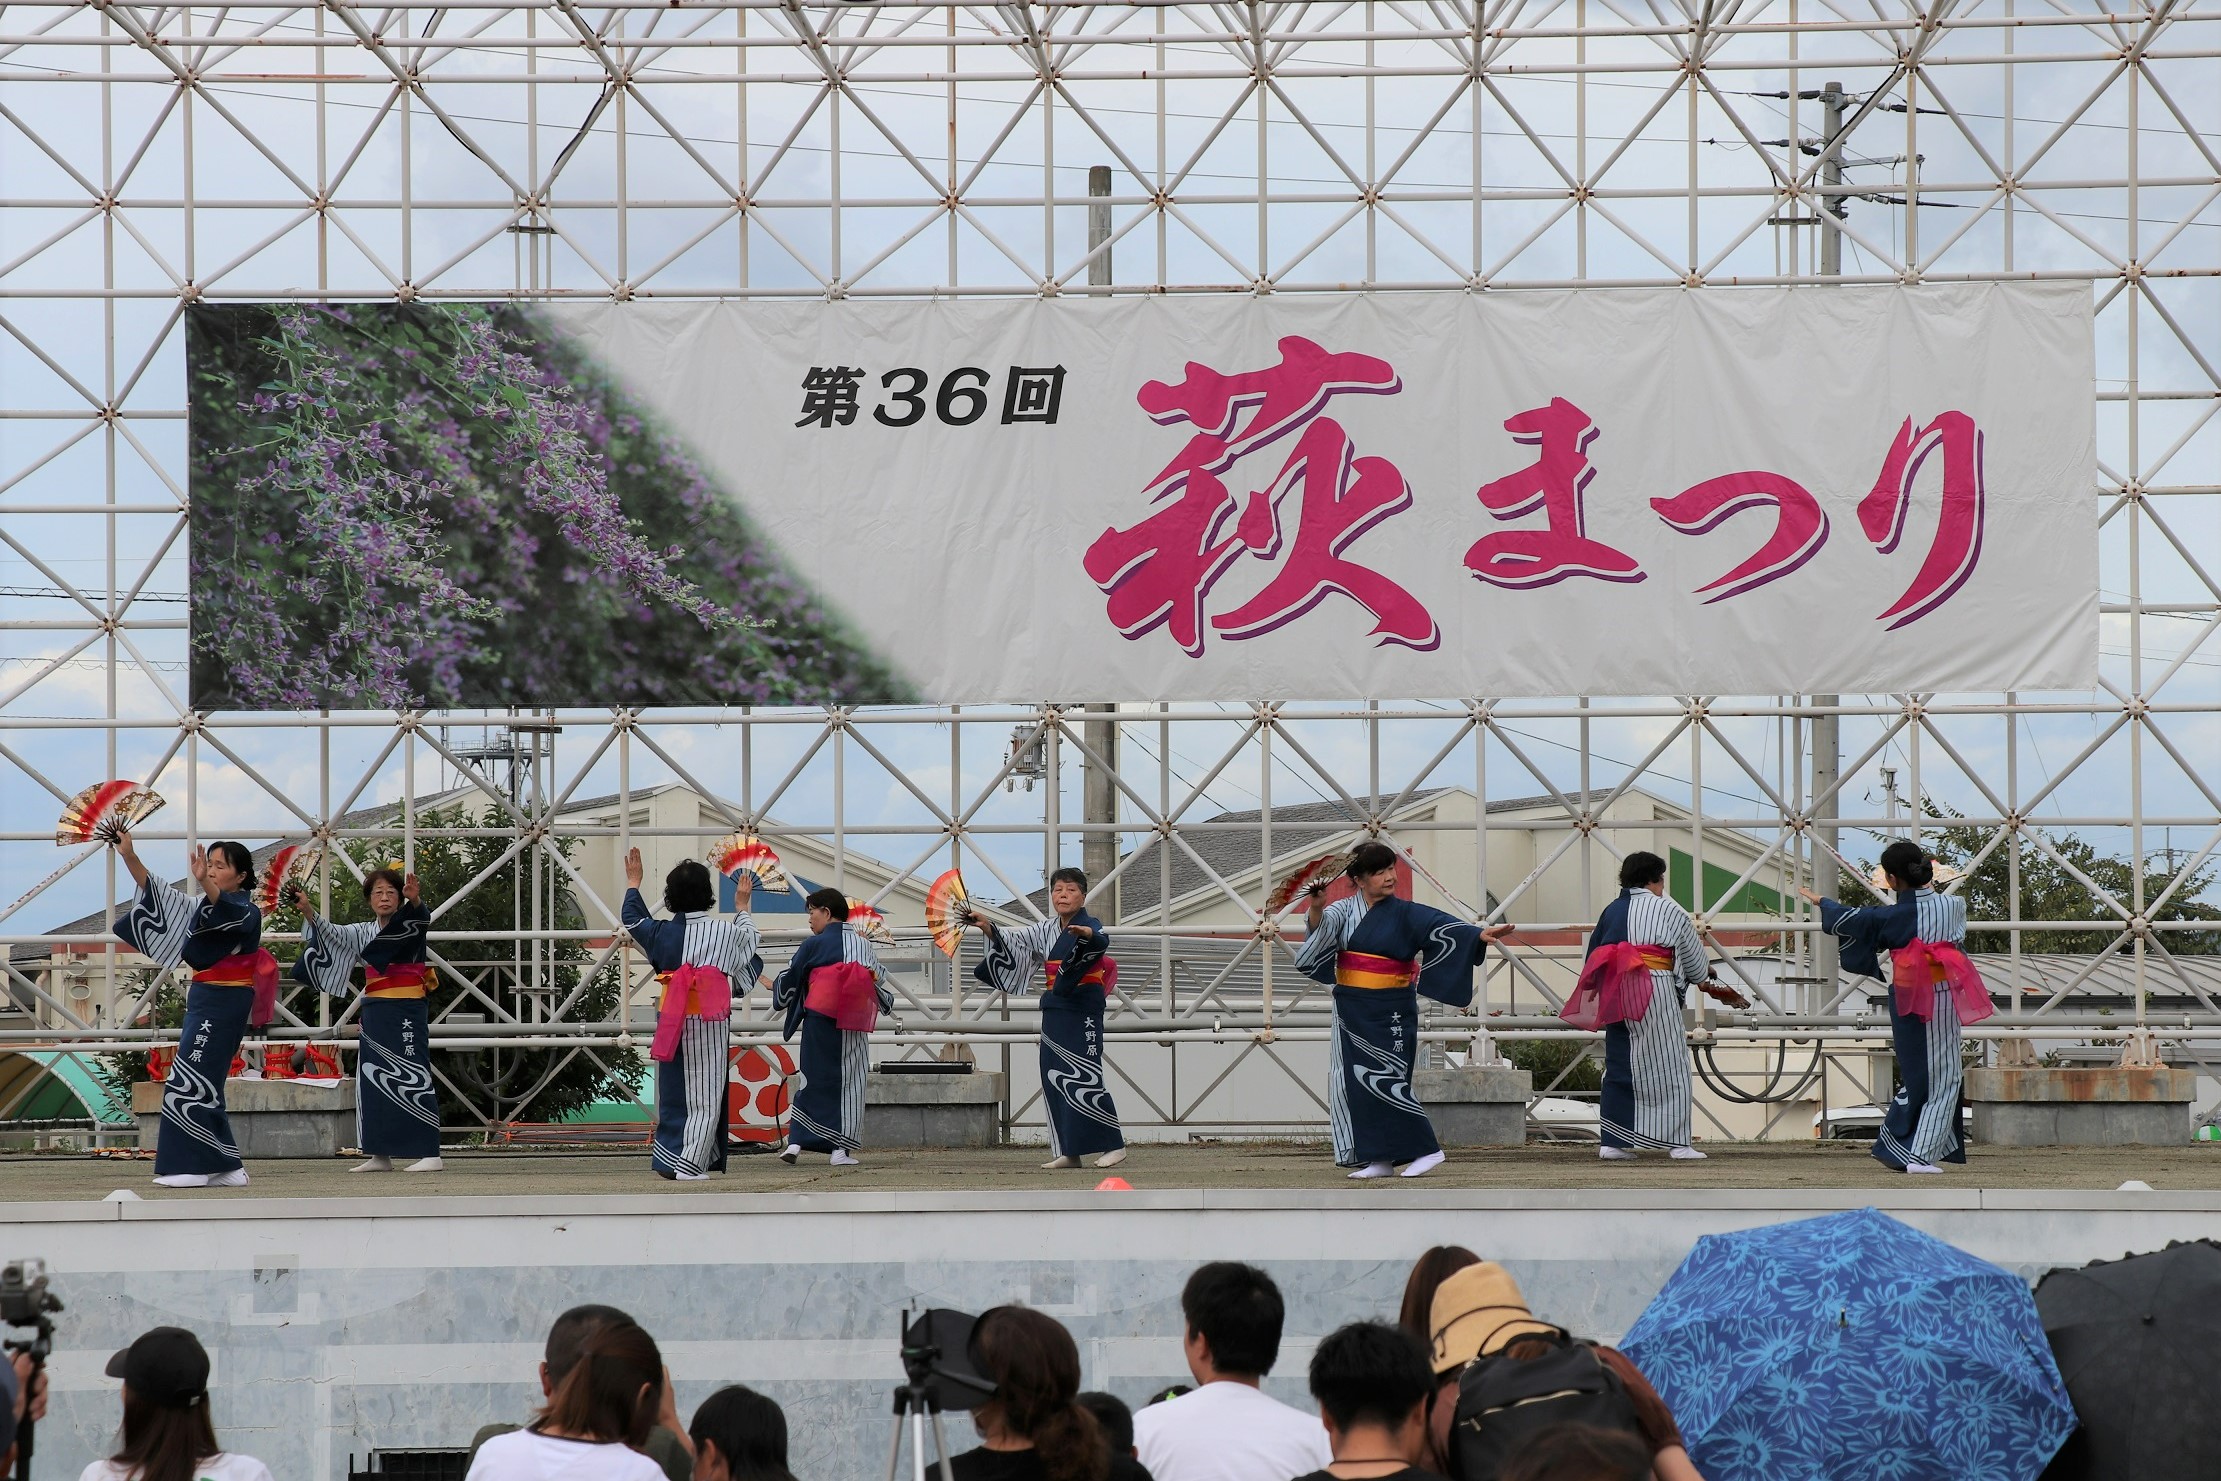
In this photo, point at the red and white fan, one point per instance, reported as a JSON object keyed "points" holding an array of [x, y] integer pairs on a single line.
{"points": [[737, 851], [869, 923], [947, 907], [294, 862], [1325, 869], [104, 809]]}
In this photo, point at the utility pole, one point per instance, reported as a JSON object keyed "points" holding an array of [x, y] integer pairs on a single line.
{"points": [[1099, 776], [1827, 741]]}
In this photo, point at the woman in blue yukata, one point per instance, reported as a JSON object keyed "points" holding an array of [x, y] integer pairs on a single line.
{"points": [[1379, 953], [1934, 992], [833, 993], [397, 1108], [1067, 957], [235, 982], [703, 962]]}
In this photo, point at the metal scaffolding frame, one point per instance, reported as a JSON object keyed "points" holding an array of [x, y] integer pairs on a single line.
{"points": [[152, 157]]}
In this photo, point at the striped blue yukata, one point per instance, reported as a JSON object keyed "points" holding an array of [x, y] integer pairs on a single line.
{"points": [[1922, 1123], [1074, 978], [690, 1086], [397, 1106], [214, 938], [832, 992], [1645, 1101]]}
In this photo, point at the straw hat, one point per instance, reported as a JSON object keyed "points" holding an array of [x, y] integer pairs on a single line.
{"points": [[1475, 1312]]}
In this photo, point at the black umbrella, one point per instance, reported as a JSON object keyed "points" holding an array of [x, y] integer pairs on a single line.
{"points": [[2139, 1342]]}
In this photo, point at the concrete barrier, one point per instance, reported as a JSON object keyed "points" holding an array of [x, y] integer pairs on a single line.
{"points": [[269, 1118], [909, 1110], [2104, 1106], [1478, 1106]]}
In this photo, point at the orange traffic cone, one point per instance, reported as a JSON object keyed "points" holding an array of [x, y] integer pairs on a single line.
{"points": [[1114, 1185]]}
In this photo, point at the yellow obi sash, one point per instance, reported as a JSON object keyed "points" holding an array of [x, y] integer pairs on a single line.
{"points": [[697, 1003], [1363, 969], [403, 980], [1657, 958], [1093, 977]]}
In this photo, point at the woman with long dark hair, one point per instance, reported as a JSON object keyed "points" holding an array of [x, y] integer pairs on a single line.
{"points": [[739, 1435], [1428, 1273], [1034, 1428], [167, 1434], [595, 1422], [235, 983], [397, 1108]]}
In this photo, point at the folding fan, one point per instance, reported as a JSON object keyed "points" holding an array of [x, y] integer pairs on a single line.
{"points": [[293, 862], [947, 904], [101, 811], [867, 920], [1321, 870], [737, 851]]}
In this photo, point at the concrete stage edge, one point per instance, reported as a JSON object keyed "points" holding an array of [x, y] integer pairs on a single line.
{"points": [[342, 1324]]}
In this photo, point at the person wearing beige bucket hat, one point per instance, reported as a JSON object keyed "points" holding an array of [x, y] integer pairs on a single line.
{"points": [[1480, 1316]]}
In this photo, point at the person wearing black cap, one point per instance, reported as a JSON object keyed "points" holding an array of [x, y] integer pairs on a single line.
{"points": [[167, 1435]]}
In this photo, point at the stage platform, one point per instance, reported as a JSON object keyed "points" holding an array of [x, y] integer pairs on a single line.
{"points": [[351, 1312]]}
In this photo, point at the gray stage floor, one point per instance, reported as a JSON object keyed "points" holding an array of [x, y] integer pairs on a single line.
{"points": [[1228, 1165]]}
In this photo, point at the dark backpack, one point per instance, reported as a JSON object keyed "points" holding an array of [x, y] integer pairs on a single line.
{"points": [[1504, 1401]]}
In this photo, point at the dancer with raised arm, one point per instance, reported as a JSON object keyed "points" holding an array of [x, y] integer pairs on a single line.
{"points": [[1379, 953], [1067, 957], [703, 962], [397, 1108], [833, 993], [1642, 956], [1935, 991], [235, 983]]}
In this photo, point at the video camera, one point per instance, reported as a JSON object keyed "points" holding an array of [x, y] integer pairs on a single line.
{"points": [[25, 1301], [937, 1357]]}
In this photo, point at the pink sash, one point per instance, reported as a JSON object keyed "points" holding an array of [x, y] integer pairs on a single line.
{"points": [[846, 993], [1919, 965], [691, 991], [1614, 985], [256, 969]]}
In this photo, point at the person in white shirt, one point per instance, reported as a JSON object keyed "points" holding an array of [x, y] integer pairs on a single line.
{"points": [[167, 1434], [596, 1421], [1226, 1428]]}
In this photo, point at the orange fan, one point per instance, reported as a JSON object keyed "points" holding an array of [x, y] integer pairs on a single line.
{"points": [[293, 862], [101, 811], [1310, 872], [737, 851], [869, 923], [947, 908]]}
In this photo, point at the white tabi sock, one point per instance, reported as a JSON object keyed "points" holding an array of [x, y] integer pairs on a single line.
{"points": [[1423, 1166], [373, 1164], [182, 1180], [1686, 1154], [1372, 1170], [1614, 1154], [1923, 1167], [426, 1164], [844, 1159], [236, 1178]]}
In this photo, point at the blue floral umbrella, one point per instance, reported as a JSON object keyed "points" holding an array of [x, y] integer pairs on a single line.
{"points": [[1852, 1348]]}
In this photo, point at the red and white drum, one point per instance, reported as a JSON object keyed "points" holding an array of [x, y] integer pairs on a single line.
{"points": [[756, 1093]]}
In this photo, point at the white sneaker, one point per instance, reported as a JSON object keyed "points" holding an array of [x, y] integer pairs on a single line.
{"points": [[426, 1164], [1054, 1163], [1111, 1158], [1372, 1170], [788, 1153], [1686, 1154], [1923, 1167], [1615, 1154], [1423, 1166], [182, 1180], [236, 1178], [373, 1164], [845, 1159]]}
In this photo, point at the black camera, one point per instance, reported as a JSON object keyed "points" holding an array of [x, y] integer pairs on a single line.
{"points": [[937, 1355], [25, 1301]]}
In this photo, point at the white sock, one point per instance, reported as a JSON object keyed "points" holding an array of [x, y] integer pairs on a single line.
{"points": [[1373, 1170], [1056, 1162], [843, 1159], [427, 1164], [690, 1177], [1614, 1154], [1922, 1167], [373, 1164], [1686, 1154], [789, 1152], [182, 1180], [236, 1178], [1424, 1165], [1111, 1158]]}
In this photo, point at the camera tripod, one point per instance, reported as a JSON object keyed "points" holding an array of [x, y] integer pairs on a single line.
{"points": [[915, 1405]]}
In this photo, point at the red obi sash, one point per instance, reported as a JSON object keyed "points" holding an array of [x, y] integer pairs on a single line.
{"points": [[1363, 969], [690, 992], [1920, 967], [846, 993], [255, 969], [402, 980], [1615, 985], [1104, 974]]}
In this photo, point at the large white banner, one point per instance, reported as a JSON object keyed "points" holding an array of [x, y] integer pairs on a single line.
{"points": [[1739, 491]]}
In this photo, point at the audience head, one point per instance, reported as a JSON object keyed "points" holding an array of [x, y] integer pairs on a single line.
{"points": [[739, 1435], [1427, 1275], [1035, 1367], [1233, 1314], [687, 889], [1578, 1452], [1907, 861], [1116, 1419], [166, 1428], [1640, 870], [1374, 1377], [1476, 1311], [567, 1335], [613, 1390]]}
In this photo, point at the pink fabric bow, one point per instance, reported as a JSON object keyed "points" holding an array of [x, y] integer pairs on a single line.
{"points": [[847, 993], [1918, 966], [711, 992], [265, 1004], [1614, 988]]}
